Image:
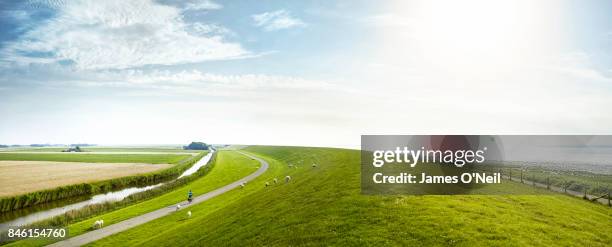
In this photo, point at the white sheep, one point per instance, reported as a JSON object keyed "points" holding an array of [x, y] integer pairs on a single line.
{"points": [[275, 180], [242, 185], [98, 224], [188, 214], [287, 179], [178, 207], [267, 184], [314, 165]]}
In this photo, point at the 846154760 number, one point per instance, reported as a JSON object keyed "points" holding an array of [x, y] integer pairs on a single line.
{"points": [[16, 233]]}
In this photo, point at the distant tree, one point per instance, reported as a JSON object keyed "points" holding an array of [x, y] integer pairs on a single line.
{"points": [[196, 146], [4, 146], [83, 145]]}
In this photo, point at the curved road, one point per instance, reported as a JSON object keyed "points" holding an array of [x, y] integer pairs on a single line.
{"points": [[141, 219]]}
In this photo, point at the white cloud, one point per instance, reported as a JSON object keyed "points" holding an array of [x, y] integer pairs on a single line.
{"points": [[209, 29], [203, 5], [188, 81], [277, 20], [120, 34]]}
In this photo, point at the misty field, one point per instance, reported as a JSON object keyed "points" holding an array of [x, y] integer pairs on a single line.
{"points": [[20, 177]]}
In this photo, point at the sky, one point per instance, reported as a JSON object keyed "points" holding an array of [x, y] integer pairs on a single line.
{"points": [[313, 73]]}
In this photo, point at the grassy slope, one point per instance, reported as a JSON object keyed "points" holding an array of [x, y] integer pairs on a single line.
{"points": [[91, 157], [323, 205], [230, 167]]}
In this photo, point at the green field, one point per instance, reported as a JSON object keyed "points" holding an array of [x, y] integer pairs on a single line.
{"points": [[138, 149], [97, 158], [106, 149], [323, 206]]}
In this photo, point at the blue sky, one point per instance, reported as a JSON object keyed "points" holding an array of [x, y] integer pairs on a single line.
{"points": [[301, 72]]}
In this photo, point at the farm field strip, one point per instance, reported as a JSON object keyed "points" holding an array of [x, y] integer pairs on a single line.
{"points": [[102, 152], [20, 177], [95, 158]]}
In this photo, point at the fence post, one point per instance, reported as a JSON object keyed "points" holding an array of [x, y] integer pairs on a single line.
{"points": [[510, 174], [522, 176], [585, 195], [547, 183], [533, 180], [609, 204]]}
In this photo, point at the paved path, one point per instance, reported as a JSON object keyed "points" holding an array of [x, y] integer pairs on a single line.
{"points": [[141, 219]]}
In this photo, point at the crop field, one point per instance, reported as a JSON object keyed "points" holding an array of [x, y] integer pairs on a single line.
{"points": [[97, 158], [20, 177], [323, 205]]}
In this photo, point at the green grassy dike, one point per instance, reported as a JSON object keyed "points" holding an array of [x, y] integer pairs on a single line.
{"points": [[229, 167], [323, 206]]}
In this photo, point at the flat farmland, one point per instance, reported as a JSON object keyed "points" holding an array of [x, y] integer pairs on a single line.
{"points": [[97, 158], [20, 177], [103, 150]]}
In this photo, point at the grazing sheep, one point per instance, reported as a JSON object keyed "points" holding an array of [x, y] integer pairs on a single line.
{"points": [[98, 224], [275, 180], [314, 165], [188, 214], [290, 165], [178, 207], [242, 185], [287, 179], [267, 184]]}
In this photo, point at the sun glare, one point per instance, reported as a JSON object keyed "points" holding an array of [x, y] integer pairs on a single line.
{"points": [[463, 36]]}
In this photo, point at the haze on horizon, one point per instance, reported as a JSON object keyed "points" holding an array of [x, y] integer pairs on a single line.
{"points": [[318, 73]]}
